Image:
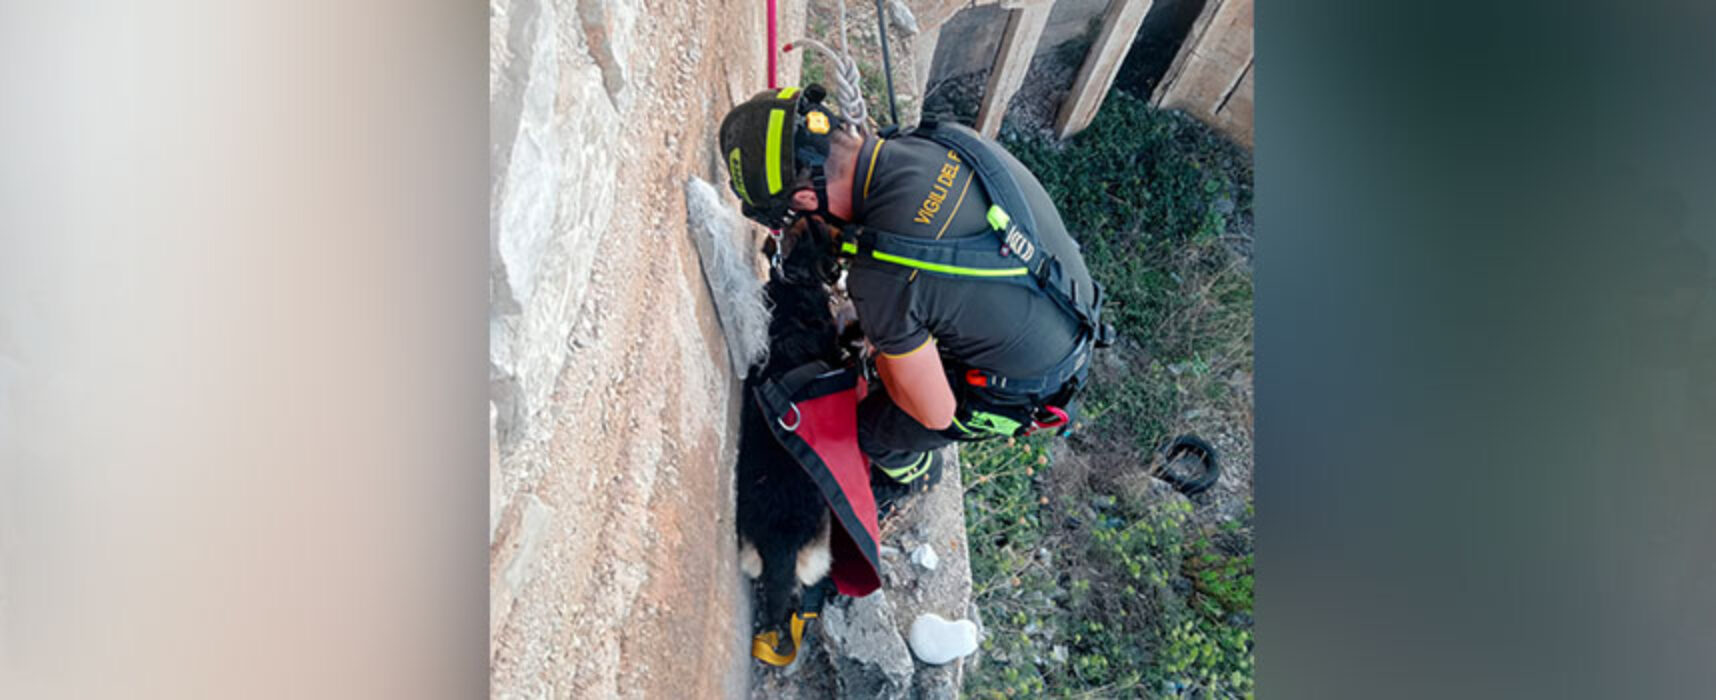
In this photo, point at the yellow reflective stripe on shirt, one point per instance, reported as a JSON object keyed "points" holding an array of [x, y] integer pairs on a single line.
{"points": [[956, 205], [951, 269], [871, 171], [851, 248], [925, 344]]}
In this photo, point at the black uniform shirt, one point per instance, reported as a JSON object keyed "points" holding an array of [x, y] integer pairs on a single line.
{"points": [[916, 187]]}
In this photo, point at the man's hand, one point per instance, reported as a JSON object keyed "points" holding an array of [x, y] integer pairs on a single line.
{"points": [[918, 385]]}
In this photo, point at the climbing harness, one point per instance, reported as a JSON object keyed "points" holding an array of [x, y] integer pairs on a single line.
{"points": [[1058, 418], [1068, 368], [1010, 253], [824, 440]]}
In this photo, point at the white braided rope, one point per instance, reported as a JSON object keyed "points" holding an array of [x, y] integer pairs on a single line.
{"points": [[847, 81]]}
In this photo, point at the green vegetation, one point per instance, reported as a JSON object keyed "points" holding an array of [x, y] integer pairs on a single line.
{"points": [[1092, 582], [1162, 207]]}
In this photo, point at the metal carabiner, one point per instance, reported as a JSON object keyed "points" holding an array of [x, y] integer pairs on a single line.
{"points": [[775, 258], [1059, 419], [796, 419]]}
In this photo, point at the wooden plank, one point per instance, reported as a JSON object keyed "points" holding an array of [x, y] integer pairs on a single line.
{"points": [[1235, 117], [1217, 61], [1119, 25], [1184, 55], [1212, 77], [1018, 44]]}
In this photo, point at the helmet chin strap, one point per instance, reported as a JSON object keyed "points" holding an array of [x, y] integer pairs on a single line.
{"points": [[819, 185]]}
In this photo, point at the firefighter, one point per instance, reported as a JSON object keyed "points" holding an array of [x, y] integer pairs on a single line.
{"points": [[977, 302]]}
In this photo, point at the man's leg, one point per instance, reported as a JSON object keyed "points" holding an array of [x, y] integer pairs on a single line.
{"points": [[896, 443]]}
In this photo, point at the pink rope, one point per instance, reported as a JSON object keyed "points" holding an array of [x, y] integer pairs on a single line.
{"points": [[773, 233], [772, 44]]}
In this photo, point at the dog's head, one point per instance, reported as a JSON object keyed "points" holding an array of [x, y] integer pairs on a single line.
{"points": [[807, 254]]}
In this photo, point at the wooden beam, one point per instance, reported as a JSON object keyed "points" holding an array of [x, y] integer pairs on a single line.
{"points": [[1018, 44], [1212, 78], [1119, 25]]}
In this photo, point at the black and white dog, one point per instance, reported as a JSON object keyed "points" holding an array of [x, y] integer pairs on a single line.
{"points": [[782, 518]]}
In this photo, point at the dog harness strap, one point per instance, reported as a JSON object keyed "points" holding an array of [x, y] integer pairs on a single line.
{"points": [[795, 380], [825, 443], [766, 646]]}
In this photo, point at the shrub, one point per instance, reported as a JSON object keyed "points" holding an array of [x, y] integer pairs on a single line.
{"points": [[1084, 594]]}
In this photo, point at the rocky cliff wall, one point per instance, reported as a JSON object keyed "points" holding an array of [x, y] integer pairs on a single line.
{"points": [[612, 565], [614, 401]]}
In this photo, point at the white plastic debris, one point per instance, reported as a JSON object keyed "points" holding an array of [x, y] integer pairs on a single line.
{"points": [[723, 247], [935, 640], [925, 557]]}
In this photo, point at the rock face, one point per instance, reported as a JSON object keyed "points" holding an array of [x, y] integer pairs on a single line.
{"points": [[613, 570], [870, 659], [614, 405], [859, 650]]}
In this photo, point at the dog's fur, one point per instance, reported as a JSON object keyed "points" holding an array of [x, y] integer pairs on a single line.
{"points": [[783, 521]]}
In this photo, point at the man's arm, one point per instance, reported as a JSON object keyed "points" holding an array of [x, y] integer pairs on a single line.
{"points": [[918, 385]]}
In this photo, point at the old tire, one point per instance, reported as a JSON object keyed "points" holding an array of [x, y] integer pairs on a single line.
{"points": [[1189, 464]]}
